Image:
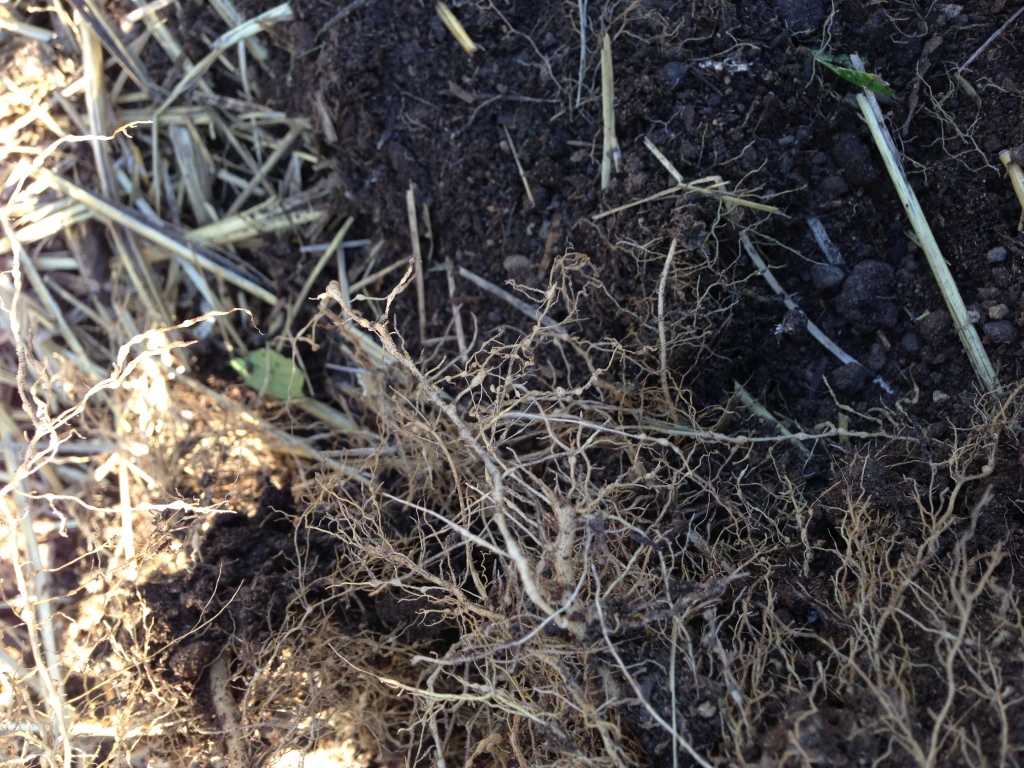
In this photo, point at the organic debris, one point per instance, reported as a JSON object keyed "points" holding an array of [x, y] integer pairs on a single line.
{"points": [[370, 401]]}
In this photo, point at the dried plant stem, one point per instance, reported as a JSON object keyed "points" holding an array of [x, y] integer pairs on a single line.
{"points": [[417, 259], [9, 23], [225, 42], [582, 5], [227, 710], [527, 309], [92, 15], [233, 18], [519, 166], [683, 188], [762, 267], [127, 531], [453, 25], [268, 165], [695, 186], [38, 614], [285, 441], [662, 341], [832, 254], [947, 285], [990, 40], [812, 328], [611, 153], [333, 247], [763, 413], [157, 232], [1016, 180], [460, 331]]}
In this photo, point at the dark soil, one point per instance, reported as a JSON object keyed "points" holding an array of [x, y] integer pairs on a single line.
{"points": [[729, 89], [722, 88]]}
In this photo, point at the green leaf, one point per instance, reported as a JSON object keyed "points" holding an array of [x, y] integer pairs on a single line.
{"points": [[861, 79], [271, 373]]}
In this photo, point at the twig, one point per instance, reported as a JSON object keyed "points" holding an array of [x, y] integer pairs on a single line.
{"points": [[947, 285]]}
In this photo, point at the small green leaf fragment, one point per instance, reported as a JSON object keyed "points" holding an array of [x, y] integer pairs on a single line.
{"points": [[866, 80], [271, 373]]}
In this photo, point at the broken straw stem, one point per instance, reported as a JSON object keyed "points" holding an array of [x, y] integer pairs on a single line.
{"points": [[816, 333], [610, 153], [417, 259], [1016, 179], [947, 285], [583, 50]]}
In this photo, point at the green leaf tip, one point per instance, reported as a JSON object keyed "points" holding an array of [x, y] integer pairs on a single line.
{"points": [[866, 80], [271, 373]]}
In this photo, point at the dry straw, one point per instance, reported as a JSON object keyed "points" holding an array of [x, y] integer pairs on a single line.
{"points": [[947, 285], [128, 264]]}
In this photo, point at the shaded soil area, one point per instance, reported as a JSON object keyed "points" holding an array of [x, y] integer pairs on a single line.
{"points": [[502, 151], [729, 89]]}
